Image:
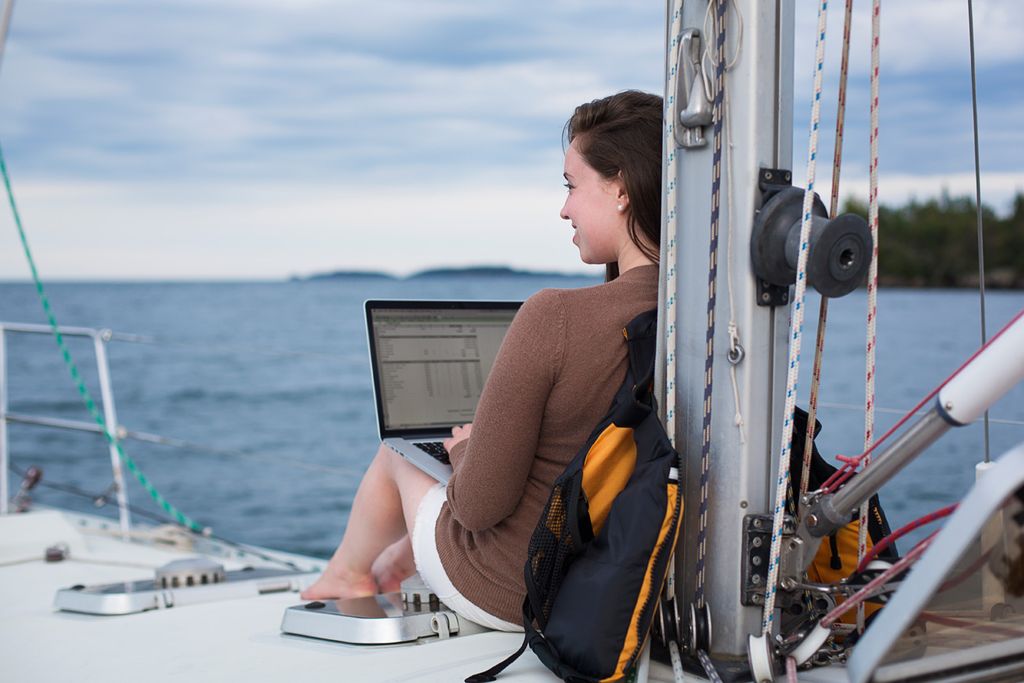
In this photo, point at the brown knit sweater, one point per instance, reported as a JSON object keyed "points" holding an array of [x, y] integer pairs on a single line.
{"points": [[561, 363]]}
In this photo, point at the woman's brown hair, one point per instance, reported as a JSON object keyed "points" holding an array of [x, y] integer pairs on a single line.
{"points": [[621, 136]]}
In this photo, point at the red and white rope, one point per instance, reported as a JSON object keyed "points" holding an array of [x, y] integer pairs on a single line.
{"points": [[795, 331], [869, 388], [869, 590]]}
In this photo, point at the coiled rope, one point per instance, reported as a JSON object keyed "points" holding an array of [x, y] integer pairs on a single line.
{"points": [[872, 338], [709, 357], [796, 331], [837, 162], [76, 376]]}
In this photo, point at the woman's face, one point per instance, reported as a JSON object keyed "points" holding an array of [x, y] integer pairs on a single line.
{"points": [[592, 206]]}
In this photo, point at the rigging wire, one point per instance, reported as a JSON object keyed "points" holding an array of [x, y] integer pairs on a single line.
{"points": [[83, 391], [850, 464], [901, 411], [977, 199], [101, 499]]}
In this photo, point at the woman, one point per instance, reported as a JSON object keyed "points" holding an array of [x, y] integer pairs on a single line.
{"points": [[554, 378]]}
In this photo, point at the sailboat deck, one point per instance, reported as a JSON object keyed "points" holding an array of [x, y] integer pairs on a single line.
{"points": [[229, 640]]}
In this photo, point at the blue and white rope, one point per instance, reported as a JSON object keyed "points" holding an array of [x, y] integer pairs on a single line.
{"points": [[796, 331], [671, 222], [670, 311]]}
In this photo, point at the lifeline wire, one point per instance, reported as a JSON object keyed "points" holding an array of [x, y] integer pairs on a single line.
{"points": [[869, 389], [837, 160], [850, 464], [90, 404], [796, 332], [709, 358], [977, 199]]}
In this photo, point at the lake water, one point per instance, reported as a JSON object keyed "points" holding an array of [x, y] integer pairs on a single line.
{"points": [[271, 382]]}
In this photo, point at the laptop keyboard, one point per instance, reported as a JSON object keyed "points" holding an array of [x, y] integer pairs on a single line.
{"points": [[435, 449]]}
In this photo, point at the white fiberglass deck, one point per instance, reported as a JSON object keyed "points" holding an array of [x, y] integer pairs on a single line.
{"points": [[217, 641], [236, 639]]}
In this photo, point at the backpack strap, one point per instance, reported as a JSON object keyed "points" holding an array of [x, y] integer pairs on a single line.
{"points": [[540, 647], [530, 635], [492, 673]]}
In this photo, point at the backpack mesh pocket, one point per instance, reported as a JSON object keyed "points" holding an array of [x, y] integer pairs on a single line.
{"points": [[555, 543]]}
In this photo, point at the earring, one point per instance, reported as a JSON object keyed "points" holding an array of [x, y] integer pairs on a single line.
{"points": [[620, 207]]}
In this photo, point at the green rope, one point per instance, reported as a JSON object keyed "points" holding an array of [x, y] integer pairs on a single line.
{"points": [[90, 404]]}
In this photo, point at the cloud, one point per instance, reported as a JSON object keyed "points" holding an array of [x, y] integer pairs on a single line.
{"points": [[250, 138], [251, 89]]}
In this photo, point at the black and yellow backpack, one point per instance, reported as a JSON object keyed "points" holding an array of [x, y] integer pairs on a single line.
{"points": [[599, 555], [836, 558]]}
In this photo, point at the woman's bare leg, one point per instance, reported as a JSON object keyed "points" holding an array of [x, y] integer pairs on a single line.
{"points": [[394, 565], [384, 510]]}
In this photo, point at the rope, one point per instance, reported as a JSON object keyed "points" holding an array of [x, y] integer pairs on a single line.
{"points": [[736, 352], [977, 199], [90, 404], [669, 143], [872, 586], [796, 331], [884, 543], [837, 161], [709, 667], [869, 389], [709, 358], [671, 221]]}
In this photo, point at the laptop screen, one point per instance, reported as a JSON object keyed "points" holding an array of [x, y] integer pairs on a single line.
{"points": [[431, 358]]}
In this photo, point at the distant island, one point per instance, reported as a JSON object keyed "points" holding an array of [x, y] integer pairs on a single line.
{"points": [[931, 243], [468, 271]]}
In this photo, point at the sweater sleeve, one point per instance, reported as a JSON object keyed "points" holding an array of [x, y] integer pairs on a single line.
{"points": [[492, 466]]}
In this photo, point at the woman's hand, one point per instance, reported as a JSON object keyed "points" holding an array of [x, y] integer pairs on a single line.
{"points": [[458, 434]]}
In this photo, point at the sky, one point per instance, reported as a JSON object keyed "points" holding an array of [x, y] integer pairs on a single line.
{"points": [[261, 139]]}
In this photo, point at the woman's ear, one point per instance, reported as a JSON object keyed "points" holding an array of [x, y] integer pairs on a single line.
{"points": [[621, 196]]}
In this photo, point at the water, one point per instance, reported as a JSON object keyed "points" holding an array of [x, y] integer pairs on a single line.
{"points": [[272, 379]]}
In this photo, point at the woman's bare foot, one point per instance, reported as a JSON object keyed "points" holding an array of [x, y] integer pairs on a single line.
{"points": [[334, 585], [394, 565]]}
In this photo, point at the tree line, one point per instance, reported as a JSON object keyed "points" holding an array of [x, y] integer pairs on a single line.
{"points": [[934, 243]]}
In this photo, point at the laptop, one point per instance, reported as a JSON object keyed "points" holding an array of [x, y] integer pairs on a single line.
{"points": [[430, 360]]}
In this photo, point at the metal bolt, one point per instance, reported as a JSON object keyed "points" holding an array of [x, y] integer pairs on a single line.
{"points": [[948, 406], [765, 296], [757, 598], [758, 524], [755, 579], [756, 561], [812, 520], [757, 541]]}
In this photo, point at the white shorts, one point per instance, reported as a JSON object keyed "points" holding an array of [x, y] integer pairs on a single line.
{"points": [[428, 564]]}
